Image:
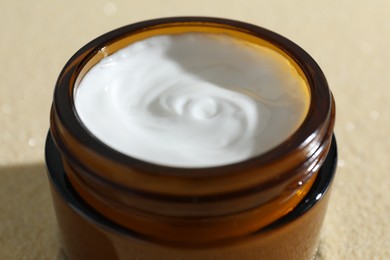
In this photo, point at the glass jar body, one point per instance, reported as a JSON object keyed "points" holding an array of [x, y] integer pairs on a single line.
{"points": [[156, 211], [88, 235]]}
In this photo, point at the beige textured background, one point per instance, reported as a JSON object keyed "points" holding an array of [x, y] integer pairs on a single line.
{"points": [[349, 39]]}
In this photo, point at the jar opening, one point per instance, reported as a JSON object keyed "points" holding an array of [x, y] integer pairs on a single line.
{"points": [[191, 96], [107, 44]]}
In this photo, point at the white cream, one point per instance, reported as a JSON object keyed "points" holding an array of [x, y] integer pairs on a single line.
{"points": [[192, 100]]}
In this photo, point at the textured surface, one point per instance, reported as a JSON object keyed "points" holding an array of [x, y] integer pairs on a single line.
{"points": [[348, 39]]}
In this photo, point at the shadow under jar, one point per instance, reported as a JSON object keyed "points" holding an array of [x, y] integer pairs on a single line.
{"points": [[113, 206]]}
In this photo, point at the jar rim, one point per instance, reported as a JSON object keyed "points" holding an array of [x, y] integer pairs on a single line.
{"points": [[318, 112]]}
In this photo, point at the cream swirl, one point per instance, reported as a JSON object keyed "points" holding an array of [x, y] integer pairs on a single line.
{"points": [[192, 100]]}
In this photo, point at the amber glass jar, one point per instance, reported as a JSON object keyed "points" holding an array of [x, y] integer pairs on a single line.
{"points": [[112, 206]]}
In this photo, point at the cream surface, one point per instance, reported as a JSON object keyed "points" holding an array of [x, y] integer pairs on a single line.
{"points": [[192, 100]]}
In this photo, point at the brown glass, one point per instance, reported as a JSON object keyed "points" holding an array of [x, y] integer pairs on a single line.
{"points": [[180, 208]]}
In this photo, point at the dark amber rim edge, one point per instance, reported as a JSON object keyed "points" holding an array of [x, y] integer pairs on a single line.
{"points": [[63, 187], [66, 113]]}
